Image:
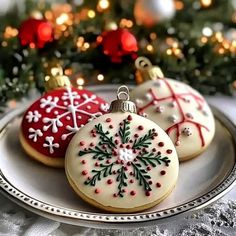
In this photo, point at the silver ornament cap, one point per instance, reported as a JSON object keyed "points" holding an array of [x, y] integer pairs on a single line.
{"points": [[123, 104]]}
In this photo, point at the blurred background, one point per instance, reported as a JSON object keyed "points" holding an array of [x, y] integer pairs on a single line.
{"points": [[97, 42]]}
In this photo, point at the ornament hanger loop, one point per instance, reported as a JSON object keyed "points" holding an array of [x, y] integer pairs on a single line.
{"points": [[123, 93], [142, 63]]}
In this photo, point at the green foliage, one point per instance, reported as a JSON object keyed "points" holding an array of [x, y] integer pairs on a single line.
{"points": [[124, 131], [201, 65]]}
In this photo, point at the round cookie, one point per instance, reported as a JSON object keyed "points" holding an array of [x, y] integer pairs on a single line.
{"points": [[122, 162], [178, 109], [50, 122]]}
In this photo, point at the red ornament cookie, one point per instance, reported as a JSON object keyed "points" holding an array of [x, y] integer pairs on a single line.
{"points": [[50, 122]]}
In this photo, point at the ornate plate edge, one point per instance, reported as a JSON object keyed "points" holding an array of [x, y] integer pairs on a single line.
{"points": [[192, 205]]}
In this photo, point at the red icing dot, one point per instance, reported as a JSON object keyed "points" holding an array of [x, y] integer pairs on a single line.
{"points": [[82, 143], [128, 146], [109, 181], [126, 168], [115, 195], [84, 172], [147, 193], [169, 151], [140, 127], [136, 135], [131, 173], [132, 193], [154, 149], [131, 181], [83, 162], [108, 120], [116, 141], [94, 135], [124, 190], [108, 161], [163, 172], [158, 185], [111, 126], [150, 182], [116, 135], [115, 153], [97, 190], [122, 162], [129, 117], [149, 168], [121, 146], [135, 159], [160, 144], [114, 172], [128, 163], [91, 144], [96, 164], [158, 153], [118, 161]]}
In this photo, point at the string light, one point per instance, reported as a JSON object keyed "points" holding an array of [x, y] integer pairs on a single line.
{"points": [[125, 23], [80, 81], [103, 5], [91, 14], [10, 32], [62, 19], [150, 48], [206, 3], [179, 5], [100, 77]]}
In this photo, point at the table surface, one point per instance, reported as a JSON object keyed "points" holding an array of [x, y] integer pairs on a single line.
{"points": [[15, 220]]}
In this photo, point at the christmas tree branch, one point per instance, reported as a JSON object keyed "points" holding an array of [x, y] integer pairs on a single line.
{"points": [[142, 176], [104, 172], [153, 159], [99, 153], [105, 139], [124, 131]]}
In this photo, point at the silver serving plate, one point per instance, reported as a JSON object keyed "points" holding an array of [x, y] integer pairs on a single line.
{"points": [[46, 191]]}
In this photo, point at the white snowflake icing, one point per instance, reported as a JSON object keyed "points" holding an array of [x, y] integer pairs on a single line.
{"points": [[104, 107], [72, 109], [33, 116], [34, 134], [49, 143], [126, 154], [69, 108]]}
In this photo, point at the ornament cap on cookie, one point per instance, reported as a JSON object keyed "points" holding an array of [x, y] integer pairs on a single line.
{"points": [[56, 79], [122, 103], [146, 71]]}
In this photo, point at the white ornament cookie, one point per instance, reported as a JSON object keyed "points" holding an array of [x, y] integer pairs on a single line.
{"points": [[122, 162], [180, 110]]}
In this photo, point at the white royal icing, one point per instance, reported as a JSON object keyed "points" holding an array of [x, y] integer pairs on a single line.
{"points": [[175, 104]]}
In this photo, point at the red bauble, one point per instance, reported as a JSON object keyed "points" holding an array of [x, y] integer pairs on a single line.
{"points": [[119, 43], [35, 33]]}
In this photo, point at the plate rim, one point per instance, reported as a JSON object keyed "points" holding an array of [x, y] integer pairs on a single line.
{"points": [[195, 204]]}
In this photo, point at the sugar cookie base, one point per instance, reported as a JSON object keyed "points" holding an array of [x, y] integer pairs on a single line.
{"points": [[110, 208], [56, 162]]}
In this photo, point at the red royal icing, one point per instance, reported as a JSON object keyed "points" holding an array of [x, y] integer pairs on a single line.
{"points": [[50, 122]]}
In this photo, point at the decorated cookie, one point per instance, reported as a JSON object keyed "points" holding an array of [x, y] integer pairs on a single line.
{"points": [[50, 122], [178, 109], [122, 162]]}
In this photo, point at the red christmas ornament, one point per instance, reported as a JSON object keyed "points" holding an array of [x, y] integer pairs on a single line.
{"points": [[119, 43], [35, 33]]}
